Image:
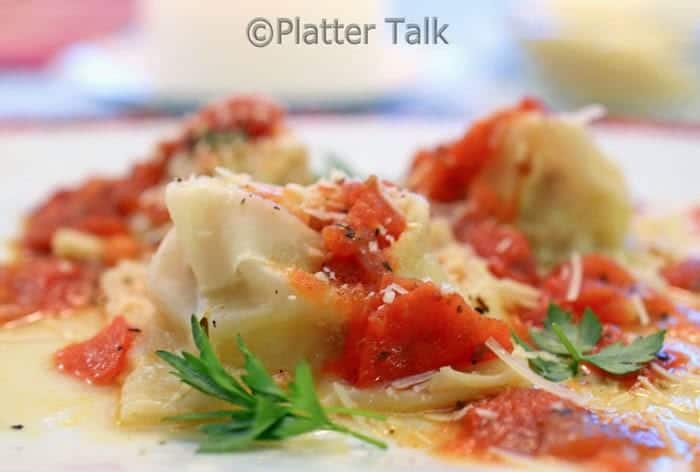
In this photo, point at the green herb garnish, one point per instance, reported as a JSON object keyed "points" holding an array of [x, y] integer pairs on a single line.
{"points": [[263, 411], [570, 344]]}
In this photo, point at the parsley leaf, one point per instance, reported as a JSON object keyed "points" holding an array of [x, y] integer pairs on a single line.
{"points": [[262, 411], [570, 344], [620, 359]]}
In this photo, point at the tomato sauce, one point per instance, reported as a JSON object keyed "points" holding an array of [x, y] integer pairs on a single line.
{"points": [[533, 422], [99, 206], [418, 329], [444, 173], [45, 284], [506, 250], [607, 289], [356, 246], [101, 359], [684, 274]]}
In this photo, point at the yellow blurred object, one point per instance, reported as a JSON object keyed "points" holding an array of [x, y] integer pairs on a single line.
{"points": [[634, 56]]}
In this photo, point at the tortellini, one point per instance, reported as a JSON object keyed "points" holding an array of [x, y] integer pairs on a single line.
{"points": [[231, 255], [570, 196]]}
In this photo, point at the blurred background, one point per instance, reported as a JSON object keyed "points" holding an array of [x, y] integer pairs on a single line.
{"points": [[75, 60]]}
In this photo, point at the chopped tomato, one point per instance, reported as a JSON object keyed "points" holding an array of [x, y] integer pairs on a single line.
{"points": [[533, 422], [505, 249], [99, 206], [444, 173], [101, 359], [254, 116], [605, 288], [684, 274], [45, 285], [355, 246], [413, 332]]}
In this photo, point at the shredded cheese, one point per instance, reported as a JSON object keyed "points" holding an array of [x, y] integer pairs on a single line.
{"points": [[519, 367], [575, 279], [642, 312], [410, 381]]}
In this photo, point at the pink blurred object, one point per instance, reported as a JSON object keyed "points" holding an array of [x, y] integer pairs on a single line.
{"points": [[33, 31]]}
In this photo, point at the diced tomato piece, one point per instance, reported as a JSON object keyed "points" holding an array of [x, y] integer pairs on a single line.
{"points": [[254, 116], [444, 173], [370, 219], [684, 274], [605, 288], [506, 249], [101, 359], [420, 330], [534, 422], [99, 206], [45, 285]]}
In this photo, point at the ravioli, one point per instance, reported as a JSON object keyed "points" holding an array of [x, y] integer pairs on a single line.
{"points": [[571, 197], [230, 257]]}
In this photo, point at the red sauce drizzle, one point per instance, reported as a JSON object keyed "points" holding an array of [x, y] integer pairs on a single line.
{"points": [[684, 274], [444, 173], [536, 423], [606, 288], [505, 249], [45, 284]]}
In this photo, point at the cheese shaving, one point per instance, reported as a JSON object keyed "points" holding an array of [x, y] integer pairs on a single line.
{"points": [[407, 382], [644, 319], [575, 279], [522, 369]]}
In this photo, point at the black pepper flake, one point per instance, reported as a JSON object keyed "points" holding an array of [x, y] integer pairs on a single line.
{"points": [[478, 354], [376, 231], [17, 427], [120, 348], [386, 265], [277, 291], [276, 207], [134, 330], [243, 201], [213, 323], [383, 355], [664, 316], [663, 356], [459, 404], [349, 232], [563, 411], [481, 306], [459, 309], [179, 179]]}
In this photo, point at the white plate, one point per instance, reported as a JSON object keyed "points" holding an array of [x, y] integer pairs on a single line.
{"points": [[660, 165]]}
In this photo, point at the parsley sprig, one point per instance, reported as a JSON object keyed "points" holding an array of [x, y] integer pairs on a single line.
{"points": [[263, 411], [569, 344]]}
